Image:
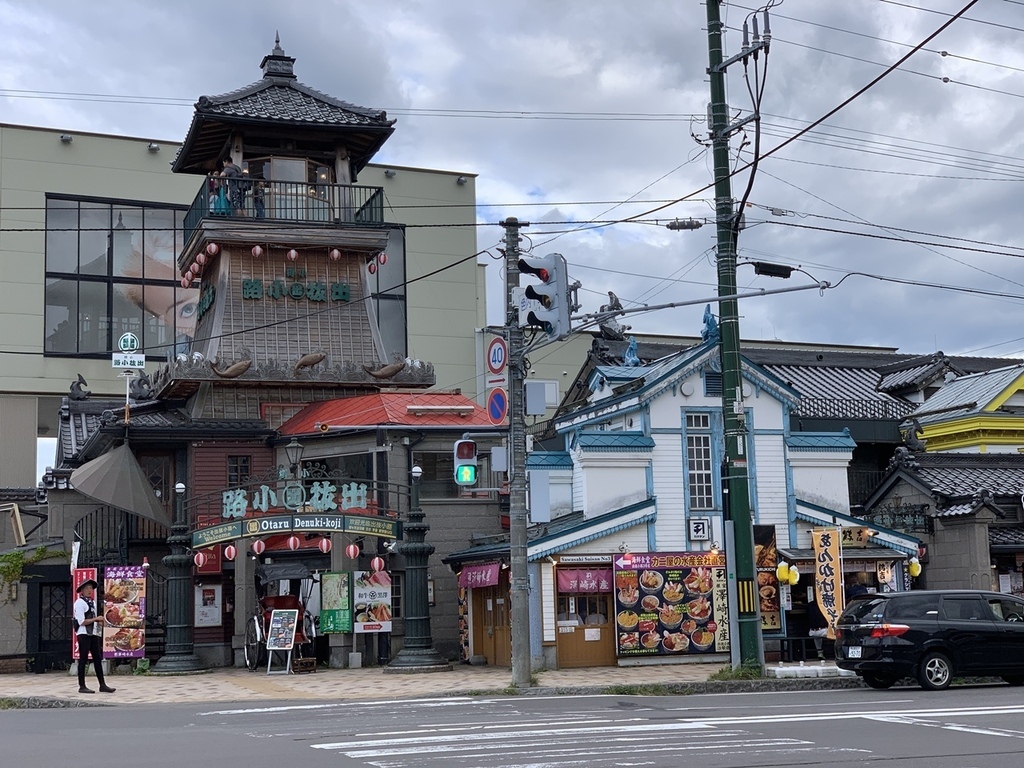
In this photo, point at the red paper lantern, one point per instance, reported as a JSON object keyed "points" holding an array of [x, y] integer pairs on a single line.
{"points": [[335, 254], [377, 564], [230, 552], [257, 251], [200, 559], [293, 255], [382, 258], [196, 268], [324, 545], [186, 282], [372, 268], [258, 546], [293, 543], [213, 249], [202, 258], [352, 551], [189, 275]]}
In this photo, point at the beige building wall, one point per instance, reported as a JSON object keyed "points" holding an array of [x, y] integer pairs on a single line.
{"points": [[443, 310]]}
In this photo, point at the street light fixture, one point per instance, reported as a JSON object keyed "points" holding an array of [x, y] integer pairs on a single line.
{"points": [[294, 451], [417, 654], [179, 655]]}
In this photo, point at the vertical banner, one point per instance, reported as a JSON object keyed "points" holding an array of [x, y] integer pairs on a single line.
{"points": [[766, 559], [828, 576], [335, 603], [463, 624], [371, 595], [78, 577], [124, 612]]}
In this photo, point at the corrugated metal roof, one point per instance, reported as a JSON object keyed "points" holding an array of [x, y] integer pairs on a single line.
{"points": [[821, 441], [967, 395]]}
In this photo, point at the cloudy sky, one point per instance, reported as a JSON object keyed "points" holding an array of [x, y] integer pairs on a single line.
{"points": [[592, 111]]}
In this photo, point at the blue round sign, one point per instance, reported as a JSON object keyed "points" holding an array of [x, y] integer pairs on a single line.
{"points": [[497, 406]]}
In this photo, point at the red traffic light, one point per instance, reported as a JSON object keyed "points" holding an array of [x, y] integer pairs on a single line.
{"points": [[465, 449], [533, 267]]}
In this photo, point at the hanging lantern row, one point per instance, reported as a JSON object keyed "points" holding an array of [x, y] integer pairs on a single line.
{"points": [[382, 259], [787, 574], [258, 547], [324, 545], [293, 543], [230, 552], [352, 551], [377, 564], [200, 559]]}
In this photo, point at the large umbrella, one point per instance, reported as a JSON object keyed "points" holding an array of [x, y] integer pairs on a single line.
{"points": [[115, 478]]}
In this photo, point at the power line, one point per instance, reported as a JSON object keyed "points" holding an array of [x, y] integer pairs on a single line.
{"points": [[959, 15]]}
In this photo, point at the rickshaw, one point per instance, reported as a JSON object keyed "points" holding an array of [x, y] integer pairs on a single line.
{"points": [[258, 624]]}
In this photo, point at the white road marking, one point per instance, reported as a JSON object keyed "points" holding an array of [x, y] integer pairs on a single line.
{"points": [[502, 726], [950, 726], [445, 702]]}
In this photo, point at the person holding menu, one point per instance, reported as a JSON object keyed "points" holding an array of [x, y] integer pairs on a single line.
{"points": [[89, 635]]}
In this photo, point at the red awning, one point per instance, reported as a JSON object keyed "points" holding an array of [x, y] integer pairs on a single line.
{"points": [[473, 576], [573, 580]]}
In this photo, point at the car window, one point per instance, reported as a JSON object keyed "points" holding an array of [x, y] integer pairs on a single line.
{"points": [[913, 607], [1006, 609], [966, 608], [863, 609]]}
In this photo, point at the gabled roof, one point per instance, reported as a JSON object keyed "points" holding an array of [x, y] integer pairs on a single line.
{"points": [[969, 395], [954, 478], [916, 373], [278, 101], [829, 391], [416, 410]]}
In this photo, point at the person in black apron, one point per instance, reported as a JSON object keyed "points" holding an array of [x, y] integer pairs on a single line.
{"points": [[89, 635]]}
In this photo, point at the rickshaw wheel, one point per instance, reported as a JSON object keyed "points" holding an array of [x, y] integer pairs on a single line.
{"points": [[253, 647]]}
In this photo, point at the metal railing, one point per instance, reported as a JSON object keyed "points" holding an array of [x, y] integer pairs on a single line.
{"points": [[324, 204]]}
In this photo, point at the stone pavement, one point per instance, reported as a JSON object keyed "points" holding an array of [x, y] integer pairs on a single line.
{"points": [[240, 685]]}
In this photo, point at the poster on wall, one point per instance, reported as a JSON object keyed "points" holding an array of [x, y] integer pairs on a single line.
{"points": [[124, 612], [208, 605], [766, 559], [671, 603], [78, 577], [371, 601], [335, 603]]}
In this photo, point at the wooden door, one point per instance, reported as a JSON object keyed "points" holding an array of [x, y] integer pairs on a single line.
{"points": [[492, 636], [585, 631]]}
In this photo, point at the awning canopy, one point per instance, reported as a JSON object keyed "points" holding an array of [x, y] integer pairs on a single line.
{"points": [[115, 478], [853, 557]]}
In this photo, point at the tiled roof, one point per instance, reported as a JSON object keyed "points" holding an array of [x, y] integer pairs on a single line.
{"points": [[821, 441], [901, 379], [960, 475], [967, 395], [289, 101], [613, 441], [441, 410], [548, 460], [833, 383], [1006, 537], [957, 510]]}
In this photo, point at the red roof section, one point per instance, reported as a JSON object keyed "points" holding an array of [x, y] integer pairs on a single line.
{"points": [[399, 409]]}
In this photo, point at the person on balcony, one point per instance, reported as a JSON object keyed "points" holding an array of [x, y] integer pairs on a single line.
{"points": [[235, 186]]}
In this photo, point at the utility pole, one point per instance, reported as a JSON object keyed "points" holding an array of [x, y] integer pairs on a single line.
{"points": [[737, 501], [519, 592]]}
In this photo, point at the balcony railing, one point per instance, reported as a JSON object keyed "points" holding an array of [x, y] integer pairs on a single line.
{"points": [[285, 201]]}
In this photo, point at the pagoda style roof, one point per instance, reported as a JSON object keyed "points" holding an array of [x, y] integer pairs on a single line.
{"points": [[279, 106]]}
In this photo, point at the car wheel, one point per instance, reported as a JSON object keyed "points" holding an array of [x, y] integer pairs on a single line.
{"points": [[880, 682], [935, 672], [1014, 679]]}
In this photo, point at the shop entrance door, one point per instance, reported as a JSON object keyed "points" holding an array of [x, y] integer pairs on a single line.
{"points": [[585, 631], [493, 638]]}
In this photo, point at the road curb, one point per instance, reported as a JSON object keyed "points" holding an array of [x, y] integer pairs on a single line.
{"points": [[699, 687], [44, 702]]}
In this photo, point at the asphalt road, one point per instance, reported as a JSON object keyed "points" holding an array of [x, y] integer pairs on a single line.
{"points": [[965, 727]]}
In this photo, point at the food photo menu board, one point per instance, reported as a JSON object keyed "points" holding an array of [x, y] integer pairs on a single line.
{"points": [[671, 603], [124, 612]]}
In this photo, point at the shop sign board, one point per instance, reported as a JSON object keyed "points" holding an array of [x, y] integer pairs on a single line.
{"points": [[78, 577], [124, 612], [281, 635], [359, 525], [371, 598], [335, 603], [766, 559], [671, 604], [208, 605], [855, 536]]}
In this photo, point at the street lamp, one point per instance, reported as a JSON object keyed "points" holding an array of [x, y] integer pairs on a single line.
{"points": [[179, 655], [294, 451], [417, 654]]}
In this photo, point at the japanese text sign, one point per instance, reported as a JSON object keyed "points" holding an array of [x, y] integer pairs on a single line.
{"points": [[828, 576]]}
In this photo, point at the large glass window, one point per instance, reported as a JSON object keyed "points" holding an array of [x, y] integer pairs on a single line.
{"points": [[110, 269], [700, 473]]}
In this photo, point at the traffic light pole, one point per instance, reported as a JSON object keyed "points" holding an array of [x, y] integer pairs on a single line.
{"points": [[519, 593], [736, 474]]}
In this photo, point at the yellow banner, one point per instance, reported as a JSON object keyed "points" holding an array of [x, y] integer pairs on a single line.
{"points": [[828, 576]]}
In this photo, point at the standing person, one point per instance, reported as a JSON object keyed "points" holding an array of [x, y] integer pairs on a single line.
{"points": [[236, 194], [89, 634], [817, 626]]}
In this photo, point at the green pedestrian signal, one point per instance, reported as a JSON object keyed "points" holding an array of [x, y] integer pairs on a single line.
{"points": [[465, 462]]}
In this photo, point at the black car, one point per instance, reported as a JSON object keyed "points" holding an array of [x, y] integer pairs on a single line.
{"points": [[932, 636]]}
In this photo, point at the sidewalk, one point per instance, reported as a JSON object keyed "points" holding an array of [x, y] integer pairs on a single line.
{"points": [[235, 685]]}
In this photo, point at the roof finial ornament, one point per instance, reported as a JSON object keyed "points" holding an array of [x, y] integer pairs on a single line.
{"points": [[278, 50]]}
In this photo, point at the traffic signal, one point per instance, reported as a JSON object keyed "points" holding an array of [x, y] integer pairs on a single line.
{"points": [[465, 462], [552, 294]]}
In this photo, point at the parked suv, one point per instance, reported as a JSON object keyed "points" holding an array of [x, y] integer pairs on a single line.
{"points": [[932, 636]]}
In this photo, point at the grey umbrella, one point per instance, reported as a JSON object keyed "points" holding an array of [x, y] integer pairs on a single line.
{"points": [[115, 478]]}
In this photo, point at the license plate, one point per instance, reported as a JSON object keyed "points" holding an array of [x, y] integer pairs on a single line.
{"points": [[853, 652]]}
